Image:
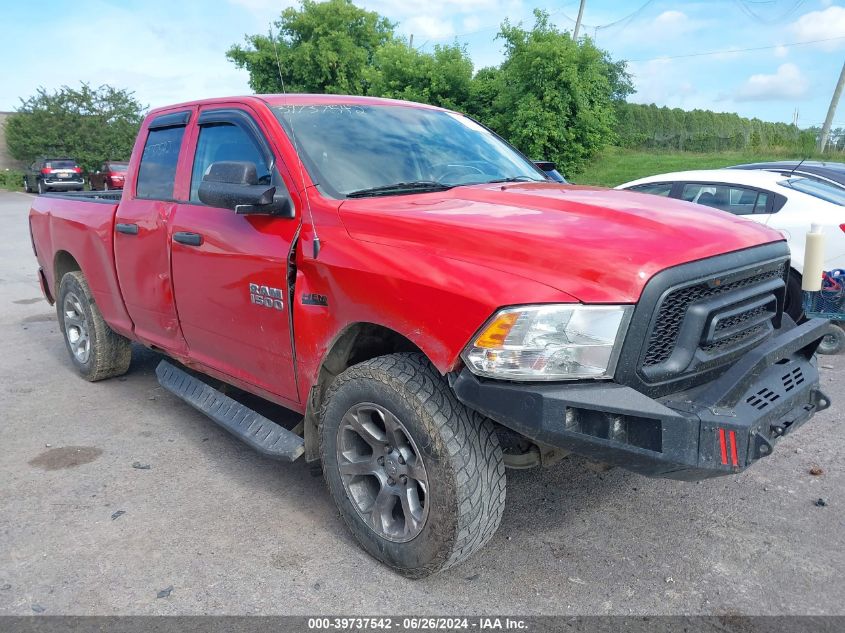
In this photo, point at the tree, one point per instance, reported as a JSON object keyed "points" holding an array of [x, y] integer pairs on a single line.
{"points": [[553, 97], [323, 47], [91, 125], [441, 78]]}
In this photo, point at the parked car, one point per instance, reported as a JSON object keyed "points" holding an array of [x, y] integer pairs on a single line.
{"points": [[830, 172], [110, 175], [435, 308], [787, 203], [53, 174]]}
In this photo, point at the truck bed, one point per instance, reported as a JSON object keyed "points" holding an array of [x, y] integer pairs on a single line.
{"points": [[75, 230], [112, 196]]}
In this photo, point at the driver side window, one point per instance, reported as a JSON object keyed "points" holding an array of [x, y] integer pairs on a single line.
{"points": [[226, 142]]}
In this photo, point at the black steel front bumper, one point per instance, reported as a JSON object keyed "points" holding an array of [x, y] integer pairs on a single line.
{"points": [[718, 428]]}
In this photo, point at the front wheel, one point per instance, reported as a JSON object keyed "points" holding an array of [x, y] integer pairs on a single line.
{"points": [[26, 187], [96, 350], [418, 478]]}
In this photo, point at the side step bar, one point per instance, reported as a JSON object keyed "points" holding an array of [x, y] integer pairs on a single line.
{"points": [[262, 434]]}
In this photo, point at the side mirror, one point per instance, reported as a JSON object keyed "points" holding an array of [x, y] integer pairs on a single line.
{"points": [[550, 169], [234, 185]]}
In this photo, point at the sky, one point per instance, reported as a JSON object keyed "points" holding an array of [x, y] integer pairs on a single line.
{"points": [[687, 54]]}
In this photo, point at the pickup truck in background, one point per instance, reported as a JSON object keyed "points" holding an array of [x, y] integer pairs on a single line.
{"points": [[431, 303]]}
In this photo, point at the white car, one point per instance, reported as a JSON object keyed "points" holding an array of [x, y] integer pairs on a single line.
{"points": [[783, 202]]}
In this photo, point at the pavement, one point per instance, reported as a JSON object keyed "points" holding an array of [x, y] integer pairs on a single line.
{"points": [[117, 498]]}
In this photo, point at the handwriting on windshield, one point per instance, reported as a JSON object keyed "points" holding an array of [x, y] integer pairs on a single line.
{"points": [[339, 108]]}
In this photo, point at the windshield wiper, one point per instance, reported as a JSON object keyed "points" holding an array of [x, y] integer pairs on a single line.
{"points": [[400, 187], [512, 179]]}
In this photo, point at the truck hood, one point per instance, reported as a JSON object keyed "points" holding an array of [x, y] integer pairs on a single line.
{"points": [[596, 245]]}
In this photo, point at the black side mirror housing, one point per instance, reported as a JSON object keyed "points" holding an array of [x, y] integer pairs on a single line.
{"points": [[550, 169], [234, 185]]}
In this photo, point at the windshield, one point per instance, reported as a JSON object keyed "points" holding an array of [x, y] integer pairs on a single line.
{"points": [[118, 167], [817, 188], [350, 149]]}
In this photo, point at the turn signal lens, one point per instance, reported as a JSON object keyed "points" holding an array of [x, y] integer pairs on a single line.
{"points": [[494, 335]]}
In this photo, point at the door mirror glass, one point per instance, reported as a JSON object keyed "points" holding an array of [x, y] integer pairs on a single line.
{"points": [[234, 185]]}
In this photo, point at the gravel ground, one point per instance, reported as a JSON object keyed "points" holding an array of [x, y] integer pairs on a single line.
{"points": [[117, 498]]}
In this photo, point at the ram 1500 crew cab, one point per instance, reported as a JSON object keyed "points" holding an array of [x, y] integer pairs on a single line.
{"points": [[432, 304]]}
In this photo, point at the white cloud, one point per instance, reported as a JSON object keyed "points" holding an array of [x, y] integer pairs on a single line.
{"points": [[781, 51], [661, 81], [429, 27], [786, 83], [822, 25]]}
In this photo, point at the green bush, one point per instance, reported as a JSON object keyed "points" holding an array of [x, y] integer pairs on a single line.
{"points": [[11, 179]]}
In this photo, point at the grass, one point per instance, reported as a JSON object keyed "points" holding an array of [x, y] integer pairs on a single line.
{"points": [[615, 165]]}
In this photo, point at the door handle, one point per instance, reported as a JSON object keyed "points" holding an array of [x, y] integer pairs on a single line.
{"points": [[127, 229], [186, 237]]}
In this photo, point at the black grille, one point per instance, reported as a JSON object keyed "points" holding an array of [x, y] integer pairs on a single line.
{"points": [[674, 308]]}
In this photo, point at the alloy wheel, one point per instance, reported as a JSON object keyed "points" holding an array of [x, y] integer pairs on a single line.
{"points": [[382, 472], [76, 328]]}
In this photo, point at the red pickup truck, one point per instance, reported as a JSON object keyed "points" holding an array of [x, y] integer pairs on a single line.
{"points": [[434, 306]]}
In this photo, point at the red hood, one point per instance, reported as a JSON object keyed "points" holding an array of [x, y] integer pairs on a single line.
{"points": [[597, 245]]}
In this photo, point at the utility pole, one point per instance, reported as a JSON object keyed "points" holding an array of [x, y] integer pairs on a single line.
{"points": [[831, 111], [411, 42], [578, 20]]}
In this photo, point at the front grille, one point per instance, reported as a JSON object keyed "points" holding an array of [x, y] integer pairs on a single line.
{"points": [[664, 335]]}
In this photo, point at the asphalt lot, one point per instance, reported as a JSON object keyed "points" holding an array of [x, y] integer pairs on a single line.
{"points": [[226, 531]]}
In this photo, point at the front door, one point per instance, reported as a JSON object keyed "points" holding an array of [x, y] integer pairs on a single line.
{"points": [[230, 270]]}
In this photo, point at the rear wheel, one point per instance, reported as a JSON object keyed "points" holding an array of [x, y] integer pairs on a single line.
{"points": [[26, 187], [96, 350], [105, 185], [41, 187], [418, 478]]}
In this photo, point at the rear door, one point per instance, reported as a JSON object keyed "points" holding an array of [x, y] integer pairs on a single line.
{"points": [[230, 270], [141, 238]]}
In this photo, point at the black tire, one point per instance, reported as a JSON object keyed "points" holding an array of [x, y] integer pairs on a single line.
{"points": [[794, 297], [26, 186], [833, 342], [41, 188], [108, 353], [465, 474]]}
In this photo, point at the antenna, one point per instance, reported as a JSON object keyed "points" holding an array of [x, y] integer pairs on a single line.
{"points": [[316, 240], [796, 167]]}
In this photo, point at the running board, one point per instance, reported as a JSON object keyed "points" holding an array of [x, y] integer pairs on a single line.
{"points": [[262, 434]]}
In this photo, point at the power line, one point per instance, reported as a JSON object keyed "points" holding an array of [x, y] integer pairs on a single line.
{"points": [[745, 7], [738, 50]]}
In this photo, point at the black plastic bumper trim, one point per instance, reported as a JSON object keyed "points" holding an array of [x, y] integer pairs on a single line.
{"points": [[782, 371]]}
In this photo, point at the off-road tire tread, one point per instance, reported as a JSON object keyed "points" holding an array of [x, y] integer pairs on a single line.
{"points": [[111, 352], [470, 438]]}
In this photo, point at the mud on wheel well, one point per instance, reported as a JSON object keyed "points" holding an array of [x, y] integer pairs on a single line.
{"points": [[359, 342]]}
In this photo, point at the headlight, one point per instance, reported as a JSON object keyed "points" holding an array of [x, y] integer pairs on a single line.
{"points": [[549, 342]]}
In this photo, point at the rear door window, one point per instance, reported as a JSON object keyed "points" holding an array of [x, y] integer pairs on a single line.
{"points": [[654, 188], [730, 198], [157, 173]]}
